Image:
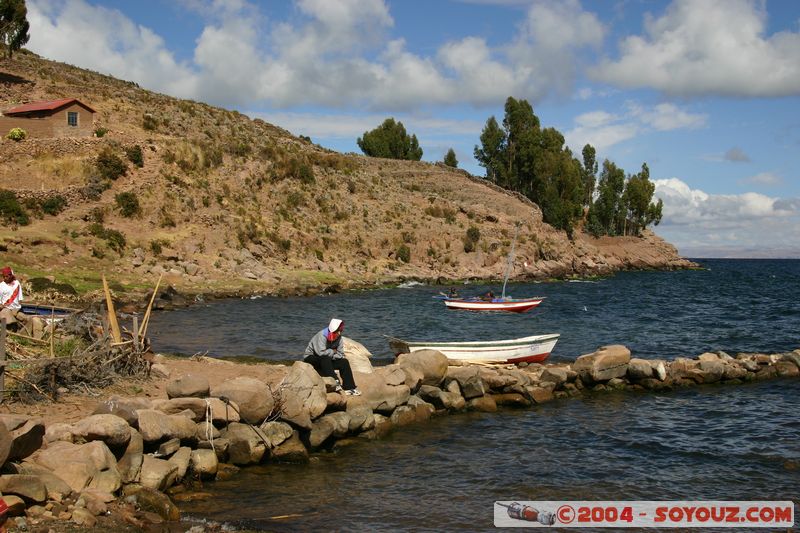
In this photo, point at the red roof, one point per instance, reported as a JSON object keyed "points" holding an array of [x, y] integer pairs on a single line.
{"points": [[44, 105]]}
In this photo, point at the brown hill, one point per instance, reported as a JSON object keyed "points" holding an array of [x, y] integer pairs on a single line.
{"points": [[230, 204]]}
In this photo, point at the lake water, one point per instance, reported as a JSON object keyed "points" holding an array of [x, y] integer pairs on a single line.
{"points": [[711, 442]]}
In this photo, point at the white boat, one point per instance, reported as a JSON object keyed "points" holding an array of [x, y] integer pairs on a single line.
{"points": [[534, 349], [514, 305]]}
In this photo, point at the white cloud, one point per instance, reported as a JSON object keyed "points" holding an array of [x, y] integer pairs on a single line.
{"points": [[602, 129], [764, 178], [702, 224], [335, 53], [702, 47]]}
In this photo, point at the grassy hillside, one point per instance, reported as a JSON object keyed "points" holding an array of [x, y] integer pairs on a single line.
{"points": [[230, 204]]}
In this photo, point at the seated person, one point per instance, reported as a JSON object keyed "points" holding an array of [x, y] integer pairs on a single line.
{"points": [[10, 298], [325, 352], [489, 296], [452, 293]]}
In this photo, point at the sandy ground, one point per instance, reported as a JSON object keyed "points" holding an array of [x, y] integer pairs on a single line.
{"points": [[72, 407]]}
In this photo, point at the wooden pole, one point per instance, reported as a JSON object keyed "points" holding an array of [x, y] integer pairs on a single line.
{"points": [[2, 358], [146, 319], [112, 314], [52, 330], [136, 332]]}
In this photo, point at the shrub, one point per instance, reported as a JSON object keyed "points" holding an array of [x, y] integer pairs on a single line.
{"points": [[135, 156], [157, 246], [54, 205], [471, 239], [109, 165], [16, 134], [403, 253], [128, 204], [11, 210], [100, 131], [115, 240], [149, 122]]}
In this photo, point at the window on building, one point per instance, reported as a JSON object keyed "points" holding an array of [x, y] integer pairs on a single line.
{"points": [[72, 118]]}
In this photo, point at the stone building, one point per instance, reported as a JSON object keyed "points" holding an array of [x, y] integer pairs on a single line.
{"points": [[67, 117]]}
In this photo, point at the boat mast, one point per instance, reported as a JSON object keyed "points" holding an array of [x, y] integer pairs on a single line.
{"points": [[510, 261]]}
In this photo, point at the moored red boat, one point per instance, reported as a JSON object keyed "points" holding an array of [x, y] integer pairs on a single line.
{"points": [[514, 305]]}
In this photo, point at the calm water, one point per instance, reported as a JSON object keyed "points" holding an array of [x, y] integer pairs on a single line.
{"points": [[713, 442]]}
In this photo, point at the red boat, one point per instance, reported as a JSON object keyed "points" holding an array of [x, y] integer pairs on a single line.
{"points": [[513, 305]]}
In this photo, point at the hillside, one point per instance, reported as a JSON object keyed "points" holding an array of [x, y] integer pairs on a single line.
{"points": [[234, 205]]}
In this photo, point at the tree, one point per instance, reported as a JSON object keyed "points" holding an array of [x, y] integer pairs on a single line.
{"points": [[390, 140], [450, 159], [589, 173], [13, 25], [637, 198], [607, 216], [490, 154]]}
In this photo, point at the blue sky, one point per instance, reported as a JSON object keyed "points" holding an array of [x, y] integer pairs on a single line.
{"points": [[704, 91]]}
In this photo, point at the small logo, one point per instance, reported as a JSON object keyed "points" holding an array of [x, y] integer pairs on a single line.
{"points": [[565, 514]]}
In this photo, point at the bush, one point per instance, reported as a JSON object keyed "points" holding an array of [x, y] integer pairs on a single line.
{"points": [[115, 240], [135, 156], [11, 210], [149, 122], [128, 204], [100, 131], [54, 205], [16, 134], [404, 253], [109, 165], [471, 239]]}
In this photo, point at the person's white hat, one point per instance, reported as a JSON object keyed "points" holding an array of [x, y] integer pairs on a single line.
{"points": [[334, 325]]}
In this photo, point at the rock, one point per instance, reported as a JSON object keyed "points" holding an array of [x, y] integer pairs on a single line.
{"points": [[157, 474], [787, 369], [540, 394], [484, 404], [123, 407], [379, 395], [733, 371], [359, 413], [220, 412], [494, 379], [442, 399], [708, 356], [341, 423], [95, 501], [659, 369], [291, 450], [713, 369], [655, 384], [433, 365], [56, 487], [422, 409], [76, 475], [512, 399], [403, 416], [156, 426], [159, 370], [83, 517], [303, 395], [187, 386], [557, 375], [393, 375], [414, 377], [252, 396], [181, 459], [336, 401], [5, 443], [204, 463], [793, 357], [95, 454], [26, 486], [58, 431], [639, 369], [111, 429], [150, 500], [606, 363], [130, 464], [357, 355], [106, 481], [247, 445], [25, 436], [468, 379], [321, 430], [167, 448], [276, 432]]}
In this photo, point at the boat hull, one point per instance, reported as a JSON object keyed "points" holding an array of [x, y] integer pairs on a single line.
{"points": [[534, 349], [512, 306]]}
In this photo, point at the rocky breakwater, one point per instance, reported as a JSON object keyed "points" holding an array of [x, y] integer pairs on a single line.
{"points": [[135, 456]]}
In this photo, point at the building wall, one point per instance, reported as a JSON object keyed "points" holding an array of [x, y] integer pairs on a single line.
{"points": [[54, 125]]}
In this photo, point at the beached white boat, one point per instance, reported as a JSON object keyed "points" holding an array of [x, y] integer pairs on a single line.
{"points": [[534, 349]]}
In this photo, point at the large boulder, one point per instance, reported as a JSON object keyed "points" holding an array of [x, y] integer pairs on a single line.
{"points": [[358, 356], [247, 444], [204, 463], [158, 474], [26, 486], [606, 363], [303, 396], [468, 379], [202, 408], [292, 450], [276, 432], [190, 385], [156, 426], [76, 464], [639, 369], [123, 407], [252, 396], [130, 464], [56, 487], [5, 443], [25, 436], [111, 429], [432, 364], [380, 395]]}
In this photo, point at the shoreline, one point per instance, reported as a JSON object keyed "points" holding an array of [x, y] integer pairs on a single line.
{"points": [[155, 443]]}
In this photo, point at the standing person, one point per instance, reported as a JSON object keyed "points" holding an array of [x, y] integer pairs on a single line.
{"points": [[325, 352], [10, 297]]}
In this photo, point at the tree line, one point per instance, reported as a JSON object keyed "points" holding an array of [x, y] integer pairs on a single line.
{"points": [[520, 155]]}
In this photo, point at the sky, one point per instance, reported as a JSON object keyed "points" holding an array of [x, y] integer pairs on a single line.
{"points": [[706, 92]]}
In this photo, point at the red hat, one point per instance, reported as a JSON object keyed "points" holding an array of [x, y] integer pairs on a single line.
{"points": [[7, 271]]}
